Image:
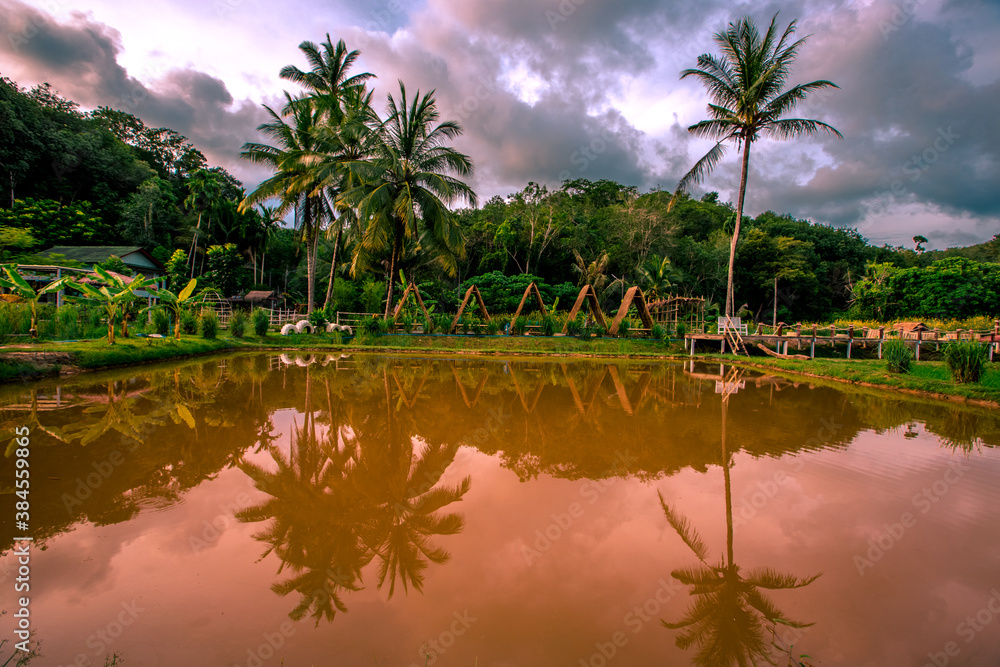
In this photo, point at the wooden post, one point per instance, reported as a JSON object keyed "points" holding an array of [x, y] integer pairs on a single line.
{"points": [[692, 348], [812, 345], [850, 340], [723, 341], [920, 336], [881, 337]]}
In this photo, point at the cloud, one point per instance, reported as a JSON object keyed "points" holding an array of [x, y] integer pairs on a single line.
{"points": [[80, 59]]}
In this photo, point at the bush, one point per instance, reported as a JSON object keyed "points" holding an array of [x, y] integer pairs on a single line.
{"points": [[441, 323], [623, 328], [656, 333], [161, 321], [493, 326], [966, 361], [238, 324], [371, 326], [574, 328], [520, 326], [548, 324], [189, 323], [209, 324], [681, 330], [407, 324], [261, 322], [897, 356], [317, 318]]}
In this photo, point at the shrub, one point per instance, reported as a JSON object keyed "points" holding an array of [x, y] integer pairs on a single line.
{"points": [[681, 330], [548, 324], [598, 331], [209, 323], [261, 322], [317, 318], [371, 326], [441, 323], [189, 323], [493, 327], [897, 356], [520, 326], [161, 321], [574, 328], [238, 324], [966, 361], [623, 328], [408, 324], [656, 333]]}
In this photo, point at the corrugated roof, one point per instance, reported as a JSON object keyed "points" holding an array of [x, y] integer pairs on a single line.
{"points": [[93, 253]]}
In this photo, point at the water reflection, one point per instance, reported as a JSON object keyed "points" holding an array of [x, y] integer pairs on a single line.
{"points": [[358, 490], [729, 619]]}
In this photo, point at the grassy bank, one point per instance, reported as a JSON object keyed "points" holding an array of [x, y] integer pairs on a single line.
{"points": [[25, 362]]}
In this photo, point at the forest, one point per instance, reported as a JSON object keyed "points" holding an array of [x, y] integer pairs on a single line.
{"points": [[103, 177]]}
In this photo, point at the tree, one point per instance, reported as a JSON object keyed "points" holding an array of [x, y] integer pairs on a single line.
{"points": [[226, 269], [176, 302], [294, 182], [748, 100], [203, 195], [658, 276], [112, 296], [20, 286], [918, 242], [407, 183]]}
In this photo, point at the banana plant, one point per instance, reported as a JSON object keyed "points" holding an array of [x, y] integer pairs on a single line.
{"points": [[175, 303], [112, 295], [19, 286]]}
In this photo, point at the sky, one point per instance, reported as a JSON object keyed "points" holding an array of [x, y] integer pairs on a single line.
{"points": [[553, 89]]}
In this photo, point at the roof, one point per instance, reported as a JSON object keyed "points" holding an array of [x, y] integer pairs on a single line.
{"points": [[258, 295], [92, 254]]}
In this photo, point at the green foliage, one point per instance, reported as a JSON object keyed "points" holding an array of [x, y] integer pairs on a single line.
{"points": [[372, 326], [520, 326], [373, 293], [209, 324], [966, 361], [189, 322], [441, 323], [954, 287], [238, 323], [317, 318], [574, 327], [656, 332], [407, 322], [52, 223], [623, 328], [226, 269], [493, 326], [681, 330], [503, 293], [161, 322], [548, 324], [115, 263], [261, 322], [897, 356], [177, 269]]}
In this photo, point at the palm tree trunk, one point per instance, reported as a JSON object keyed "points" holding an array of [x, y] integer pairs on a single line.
{"points": [[729, 487], [333, 266], [736, 227], [392, 270], [194, 245], [307, 233]]}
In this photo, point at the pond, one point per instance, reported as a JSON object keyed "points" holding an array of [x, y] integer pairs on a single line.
{"points": [[265, 509]]}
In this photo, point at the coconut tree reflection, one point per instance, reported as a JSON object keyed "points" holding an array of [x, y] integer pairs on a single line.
{"points": [[730, 617], [359, 490]]}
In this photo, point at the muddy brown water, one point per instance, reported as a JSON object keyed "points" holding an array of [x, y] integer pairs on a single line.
{"points": [[372, 510]]}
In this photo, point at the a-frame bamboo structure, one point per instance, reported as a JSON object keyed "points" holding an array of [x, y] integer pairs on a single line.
{"points": [[532, 287], [461, 309], [588, 294], [410, 289], [632, 296]]}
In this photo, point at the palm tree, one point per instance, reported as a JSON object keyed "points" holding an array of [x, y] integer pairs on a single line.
{"points": [[728, 620], [592, 274], [204, 191], [327, 81], [748, 99], [407, 183], [658, 276], [293, 183]]}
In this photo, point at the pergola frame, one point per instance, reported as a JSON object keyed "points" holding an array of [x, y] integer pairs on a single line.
{"points": [[586, 293], [410, 289], [532, 287], [461, 309], [632, 296]]}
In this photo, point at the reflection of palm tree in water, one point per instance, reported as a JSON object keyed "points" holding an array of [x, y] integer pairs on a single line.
{"points": [[359, 494], [730, 616]]}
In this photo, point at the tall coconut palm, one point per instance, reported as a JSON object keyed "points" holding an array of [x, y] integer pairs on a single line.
{"points": [[327, 80], [407, 183], [293, 184], [747, 87]]}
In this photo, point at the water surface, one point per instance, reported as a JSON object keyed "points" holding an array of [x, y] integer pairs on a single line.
{"points": [[360, 510]]}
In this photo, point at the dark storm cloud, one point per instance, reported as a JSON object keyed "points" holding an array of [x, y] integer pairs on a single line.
{"points": [[80, 60]]}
